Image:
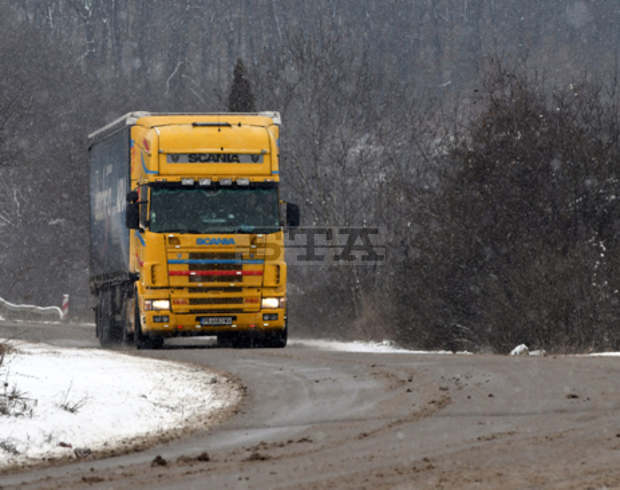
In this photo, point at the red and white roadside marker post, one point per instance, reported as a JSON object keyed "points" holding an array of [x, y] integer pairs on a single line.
{"points": [[65, 307]]}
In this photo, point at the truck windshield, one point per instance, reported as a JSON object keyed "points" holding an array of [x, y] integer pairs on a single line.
{"points": [[218, 210]]}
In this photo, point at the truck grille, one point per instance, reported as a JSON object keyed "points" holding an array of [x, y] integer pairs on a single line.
{"points": [[225, 256], [216, 267], [211, 312], [220, 270], [216, 279], [216, 289], [215, 256], [216, 301]]}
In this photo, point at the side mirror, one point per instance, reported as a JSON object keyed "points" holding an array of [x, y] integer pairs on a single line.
{"points": [[292, 215], [132, 215]]}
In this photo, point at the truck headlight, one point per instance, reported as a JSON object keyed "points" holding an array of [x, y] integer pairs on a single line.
{"points": [[156, 304], [270, 303]]}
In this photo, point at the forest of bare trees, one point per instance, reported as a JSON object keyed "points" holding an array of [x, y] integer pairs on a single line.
{"points": [[480, 135]]}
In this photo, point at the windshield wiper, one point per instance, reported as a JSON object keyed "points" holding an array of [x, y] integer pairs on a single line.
{"points": [[256, 229], [245, 229], [182, 230]]}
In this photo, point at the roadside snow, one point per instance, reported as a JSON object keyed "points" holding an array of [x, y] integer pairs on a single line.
{"points": [[71, 402], [519, 350], [385, 347]]}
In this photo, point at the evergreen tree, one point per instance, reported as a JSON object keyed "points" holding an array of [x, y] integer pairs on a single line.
{"points": [[241, 98]]}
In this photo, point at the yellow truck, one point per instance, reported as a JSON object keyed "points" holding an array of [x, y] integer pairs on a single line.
{"points": [[187, 229]]}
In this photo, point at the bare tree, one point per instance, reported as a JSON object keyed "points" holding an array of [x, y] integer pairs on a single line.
{"points": [[241, 98]]}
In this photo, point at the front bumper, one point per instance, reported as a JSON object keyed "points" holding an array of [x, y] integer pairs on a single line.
{"points": [[189, 324]]}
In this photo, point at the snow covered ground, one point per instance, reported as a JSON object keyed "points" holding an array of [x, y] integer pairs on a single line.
{"points": [[59, 403], [385, 347], [389, 347]]}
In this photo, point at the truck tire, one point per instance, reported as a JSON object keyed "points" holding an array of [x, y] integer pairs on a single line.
{"points": [[276, 339], [143, 341], [127, 337], [126, 310], [138, 337], [109, 332]]}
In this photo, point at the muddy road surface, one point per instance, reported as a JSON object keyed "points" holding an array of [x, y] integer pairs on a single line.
{"points": [[323, 419]]}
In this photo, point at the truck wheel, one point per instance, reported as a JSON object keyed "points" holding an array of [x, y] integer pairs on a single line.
{"points": [[126, 312], [142, 341], [127, 337], [276, 339], [109, 333], [139, 338], [97, 321]]}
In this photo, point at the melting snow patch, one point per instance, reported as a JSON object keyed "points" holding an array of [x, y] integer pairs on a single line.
{"points": [[59, 402], [523, 350], [520, 350], [385, 347], [539, 353]]}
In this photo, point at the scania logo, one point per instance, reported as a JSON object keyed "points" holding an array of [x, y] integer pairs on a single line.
{"points": [[215, 241], [213, 158]]}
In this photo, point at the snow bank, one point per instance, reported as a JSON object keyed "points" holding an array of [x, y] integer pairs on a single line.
{"points": [[385, 347], [523, 350], [71, 402], [520, 350], [389, 347]]}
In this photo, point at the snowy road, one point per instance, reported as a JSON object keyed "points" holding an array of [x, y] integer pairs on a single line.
{"points": [[318, 418]]}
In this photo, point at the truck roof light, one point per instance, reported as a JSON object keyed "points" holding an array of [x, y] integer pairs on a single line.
{"points": [[225, 181], [187, 181], [204, 182], [274, 115], [243, 182]]}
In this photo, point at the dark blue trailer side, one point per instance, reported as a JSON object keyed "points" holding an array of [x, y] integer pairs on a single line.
{"points": [[109, 158]]}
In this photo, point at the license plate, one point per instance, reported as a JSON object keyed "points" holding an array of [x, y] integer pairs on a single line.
{"points": [[216, 320]]}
